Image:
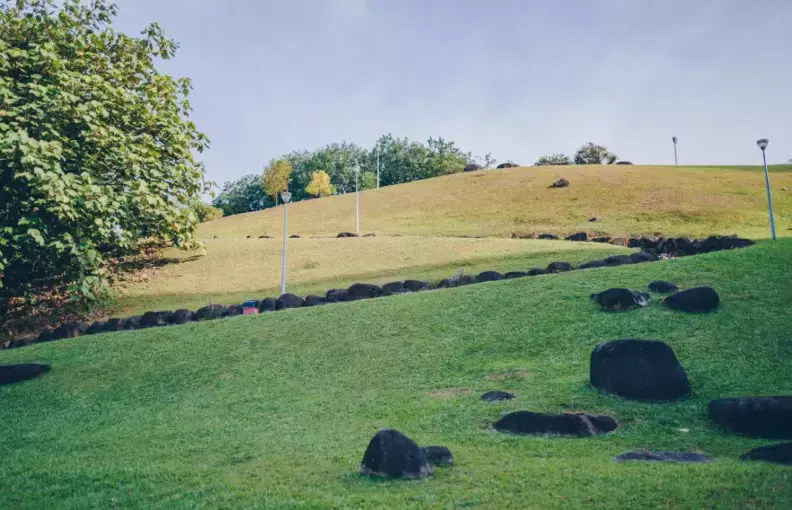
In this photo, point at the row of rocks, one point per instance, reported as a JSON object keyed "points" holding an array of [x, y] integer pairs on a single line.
{"points": [[673, 246], [297, 236]]}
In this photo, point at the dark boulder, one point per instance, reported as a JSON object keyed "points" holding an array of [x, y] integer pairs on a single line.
{"points": [[618, 260], [64, 331], [233, 311], [289, 301], [96, 328], [268, 305], [392, 454], [445, 283], [559, 267], [438, 455], [580, 236], [44, 336], [547, 236], [10, 374], [537, 271], [593, 219], [133, 322], [695, 300], [248, 237], [265, 237], [592, 264], [152, 320], [768, 417], [393, 288], [83, 327], [295, 236], [508, 164], [776, 453], [463, 280], [600, 239], [656, 456], [363, 291], [182, 316], [662, 287], [370, 235], [347, 234], [515, 274], [314, 301], [644, 256], [497, 396], [623, 163], [472, 167], [211, 312], [560, 183], [569, 424], [645, 370], [115, 325], [717, 243], [337, 295], [489, 276], [415, 285], [613, 300]]}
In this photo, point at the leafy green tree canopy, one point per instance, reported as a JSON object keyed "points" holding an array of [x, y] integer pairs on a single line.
{"points": [[97, 150], [553, 159], [276, 178], [320, 185], [591, 154], [243, 195]]}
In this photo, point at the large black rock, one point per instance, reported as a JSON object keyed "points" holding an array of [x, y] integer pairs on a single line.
{"points": [[393, 288], [569, 424], [182, 316], [603, 239], [438, 455], [314, 301], [472, 167], [621, 299], [132, 322], [515, 274], [592, 264], [646, 370], [658, 456], [152, 320], [580, 236], [10, 374], [337, 295], [44, 336], [392, 454], [489, 276], [548, 237], [363, 291], [233, 311], [289, 301], [559, 267], [267, 305], [347, 234], [210, 312], [96, 328], [537, 271], [695, 300], [777, 453], [415, 285], [768, 417], [643, 256], [64, 331], [618, 260], [662, 287], [560, 183], [115, 324]]}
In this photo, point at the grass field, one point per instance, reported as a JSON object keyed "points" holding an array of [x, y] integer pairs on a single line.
{"points": [[275, 411], [237, 269], [627, 200]]}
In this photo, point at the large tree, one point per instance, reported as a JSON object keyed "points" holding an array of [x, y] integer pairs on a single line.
{"points": [[97, 150], [243, 195], [276, 178], [591, 154]]}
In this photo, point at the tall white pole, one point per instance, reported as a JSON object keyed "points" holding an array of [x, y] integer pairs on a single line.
{"points": [[378, 164], [769, 198], [285, 235], [357, 201]]}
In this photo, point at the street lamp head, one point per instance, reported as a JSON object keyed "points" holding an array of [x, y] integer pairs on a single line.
{"points": [[286, 197], [762, 143], [674, 139]]}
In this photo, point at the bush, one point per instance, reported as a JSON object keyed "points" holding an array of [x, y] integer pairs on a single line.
{"points": [[86, 170], [591, 154], [205, 212], [555, 159]]}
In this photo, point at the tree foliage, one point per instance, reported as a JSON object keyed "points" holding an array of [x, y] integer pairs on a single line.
{"points": [[591, 154], [243, 195], [96, 146], [554, 159], [276, 178], [368, 180], [205, 212], [320, 185]]}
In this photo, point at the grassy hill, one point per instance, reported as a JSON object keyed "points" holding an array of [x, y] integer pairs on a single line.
{"points": [[627, 200], [276, 410]]}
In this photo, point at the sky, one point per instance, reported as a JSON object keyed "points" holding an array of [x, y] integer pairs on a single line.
{"points": [[515, 78]]}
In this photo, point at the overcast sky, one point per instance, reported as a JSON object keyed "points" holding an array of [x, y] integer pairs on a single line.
{"points": [[516, 78]]}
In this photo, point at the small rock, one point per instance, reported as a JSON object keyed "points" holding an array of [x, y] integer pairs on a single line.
{"points": [[337, 295], [623, 163], [600, 239], [618, 260], [10, 374], [644, 370], [644, 256], [696, 300], [497, 396], [347, 234], [592, 264], [664, 457], [559, 267], [393, 288], [295, 236], [415, 285], [265, 237], [288, 301], [561, 183], [515, 274], [209, 312], [314, 301], [653, 456], [662, 287], [489, 276], [621, 299], [592, 220], [472, 167], [182, 316], [268, 305], [392, 454], [438, 455], [370, 235], [508, 164], [777, 453], [580, 236], [767, 417], [248, 237], [363, 291], [547, 236], [569, 424]]}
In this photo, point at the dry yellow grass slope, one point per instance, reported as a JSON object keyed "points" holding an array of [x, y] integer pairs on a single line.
{"points": [[627, 200]]}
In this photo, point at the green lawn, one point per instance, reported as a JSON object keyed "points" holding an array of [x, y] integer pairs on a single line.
{"points": [[275, 411]]}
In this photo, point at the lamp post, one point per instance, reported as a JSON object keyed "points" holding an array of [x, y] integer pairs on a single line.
{"points": [[763, 145], [286, 197], [357, 200], [378, 164], [674, 139]]}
